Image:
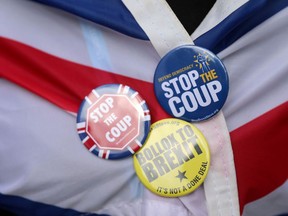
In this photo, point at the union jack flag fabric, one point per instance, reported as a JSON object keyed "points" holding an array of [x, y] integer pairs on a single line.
{"points": [[53, 53]]}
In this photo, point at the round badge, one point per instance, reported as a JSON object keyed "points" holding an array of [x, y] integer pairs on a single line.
{"points": [[174, 160], [113, 121], [191, 83]]}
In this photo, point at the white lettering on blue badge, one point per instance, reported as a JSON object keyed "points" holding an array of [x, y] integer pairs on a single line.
{"points": [[189, 100], [197, 87]]}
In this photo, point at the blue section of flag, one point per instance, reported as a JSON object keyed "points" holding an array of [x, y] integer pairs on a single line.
{"points": [[25, 207], [113, 14], [239, 23], [109, 13]]}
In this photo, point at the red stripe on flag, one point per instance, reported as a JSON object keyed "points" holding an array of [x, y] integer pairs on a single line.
{"points": [[146, 113], [63, 82], [121, 89], [89, 143], [134, 146], [137, 99], [104, 154], [80, 129], [92, 97], [260, 153]]}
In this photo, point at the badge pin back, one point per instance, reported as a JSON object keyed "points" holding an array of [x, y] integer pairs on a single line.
{"points": [[191, 83], [113, 121], [174, 160]]}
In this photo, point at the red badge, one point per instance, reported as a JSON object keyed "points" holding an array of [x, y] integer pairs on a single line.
{"points": [[113, 121]]}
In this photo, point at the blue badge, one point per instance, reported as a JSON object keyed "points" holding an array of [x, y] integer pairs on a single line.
{"points": [[191, 83]]}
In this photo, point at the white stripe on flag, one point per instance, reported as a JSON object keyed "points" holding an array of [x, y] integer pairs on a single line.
{"points": [[130, 149], [119, 89], [81, 131], [134, 95], [95, 93], [81, 124], [147, 117], [101, 153], [92, 148], [126, 89], [107, 154], [138, 142], [85, 139], [88, 100]]}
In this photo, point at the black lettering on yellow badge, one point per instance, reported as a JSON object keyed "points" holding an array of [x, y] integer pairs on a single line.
{"points": [[175, 159]]}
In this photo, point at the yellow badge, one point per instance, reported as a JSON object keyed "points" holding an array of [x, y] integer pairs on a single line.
{"points": [[175, 159]]}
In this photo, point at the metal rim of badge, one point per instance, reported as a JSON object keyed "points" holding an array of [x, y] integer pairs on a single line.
{"points": [[113, 121], [174, 160], [191, 83]]}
